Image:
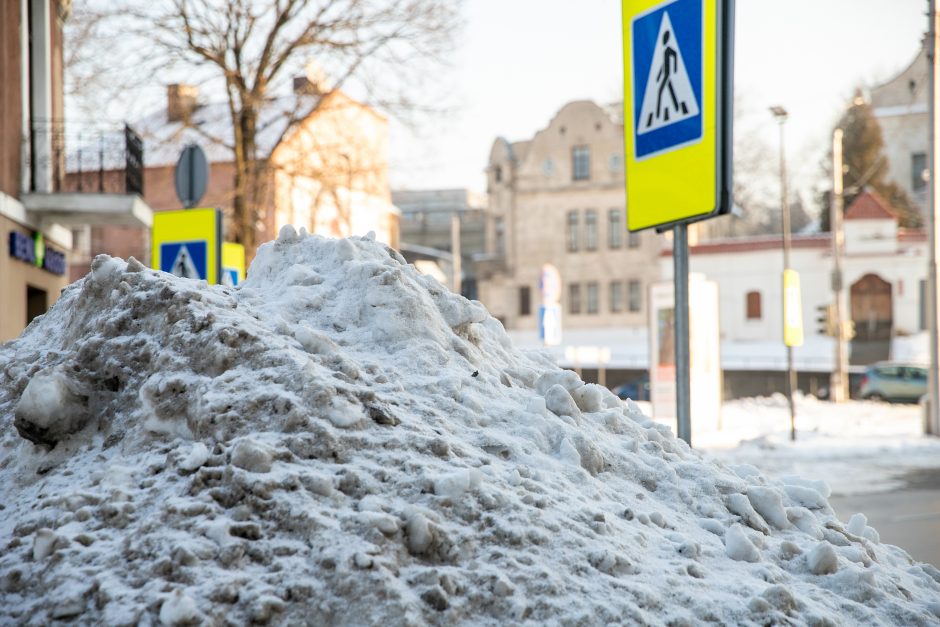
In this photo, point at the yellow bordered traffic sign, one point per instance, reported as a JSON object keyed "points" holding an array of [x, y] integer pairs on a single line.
{"points": [[677, 110], [233, 264], [188, 243]]}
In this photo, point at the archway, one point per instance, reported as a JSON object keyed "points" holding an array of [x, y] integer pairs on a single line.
{"points": [[872, 312]]}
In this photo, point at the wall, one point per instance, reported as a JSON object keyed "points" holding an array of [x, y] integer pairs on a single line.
{"points": [[11, 119], [15, 275]]}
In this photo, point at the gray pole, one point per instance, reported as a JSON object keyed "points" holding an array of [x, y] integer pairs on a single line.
{"points": [[838, 385], [933, 418], [680, 257], [781, 116]]}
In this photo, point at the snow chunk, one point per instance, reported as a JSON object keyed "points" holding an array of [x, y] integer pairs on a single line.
{"points": [[559, 401], [178, 609], [44, 544], [768, 503], [252, 456], [197, 456], [738, 546], [49, 409], [455, 484], [419, 532], [822, 559], [344, 413]]}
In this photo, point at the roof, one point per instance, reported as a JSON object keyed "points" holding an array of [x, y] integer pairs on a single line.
{"points": [[210, 127], [869, 206], [749, 244]]}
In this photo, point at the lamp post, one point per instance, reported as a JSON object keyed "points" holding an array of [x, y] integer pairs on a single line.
{"points": [[781, 115]]}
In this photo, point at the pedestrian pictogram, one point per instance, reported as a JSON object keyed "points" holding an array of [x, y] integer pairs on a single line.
{"points": [[667, 77], [669, 97], [184, 259]]}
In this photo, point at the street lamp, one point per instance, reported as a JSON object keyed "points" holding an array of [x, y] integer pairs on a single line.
{"points": [[781, 115]]}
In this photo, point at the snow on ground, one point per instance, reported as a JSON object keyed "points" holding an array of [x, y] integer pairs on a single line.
{"points": [[857, 446], [341, 441]]}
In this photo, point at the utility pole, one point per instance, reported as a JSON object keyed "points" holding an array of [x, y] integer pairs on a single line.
{"points": [[781, 114], [932, 425], [838, 385]]}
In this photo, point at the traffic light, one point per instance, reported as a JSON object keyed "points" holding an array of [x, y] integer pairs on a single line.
{"points": [[826, 320]]}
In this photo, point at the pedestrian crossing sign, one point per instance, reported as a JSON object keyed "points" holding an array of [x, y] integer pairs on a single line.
{"points": [[188, 243], [677, 110]]}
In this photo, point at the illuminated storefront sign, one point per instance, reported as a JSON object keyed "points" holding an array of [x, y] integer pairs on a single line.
{"points": [[33, 250]]}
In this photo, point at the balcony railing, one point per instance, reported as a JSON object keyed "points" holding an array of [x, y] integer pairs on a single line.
{"points": [[86, 158]]}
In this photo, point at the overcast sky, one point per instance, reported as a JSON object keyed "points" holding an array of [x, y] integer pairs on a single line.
{"points": [[519, 61]]}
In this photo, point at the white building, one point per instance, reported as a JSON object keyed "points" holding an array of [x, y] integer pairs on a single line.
{"points": [[884, 271]]}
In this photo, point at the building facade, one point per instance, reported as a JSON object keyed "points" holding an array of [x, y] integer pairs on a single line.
{"points": [[38, 211], [900, 106], [323, 161], [884, 274], [559, 199]]}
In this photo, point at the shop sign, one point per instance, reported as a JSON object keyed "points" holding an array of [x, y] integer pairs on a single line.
{"points": [[33, 250]]}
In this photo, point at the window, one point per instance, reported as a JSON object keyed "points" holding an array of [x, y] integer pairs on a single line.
{"points": [[616, 296], [614, 228], [525, 301], [580, 163], [634, 296], [590, 230], [592, 297], [918, 167], [633, 240], [498, 174], [753, 306], [572, 231], [574, 298]]}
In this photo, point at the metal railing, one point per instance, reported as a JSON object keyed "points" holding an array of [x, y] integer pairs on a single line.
{"points": [[86, 158]]}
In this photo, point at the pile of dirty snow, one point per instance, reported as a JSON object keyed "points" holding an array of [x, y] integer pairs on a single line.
{"points": [[341, 441]]}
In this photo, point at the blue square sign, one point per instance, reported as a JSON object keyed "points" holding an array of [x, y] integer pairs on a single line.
{"points": [[185, 259], [667, 77]]}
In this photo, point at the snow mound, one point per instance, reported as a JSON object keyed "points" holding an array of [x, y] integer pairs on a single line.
{"points": [[341, 441]]}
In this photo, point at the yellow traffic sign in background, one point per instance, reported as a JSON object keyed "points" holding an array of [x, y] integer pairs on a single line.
{"points": [[188, 243]]}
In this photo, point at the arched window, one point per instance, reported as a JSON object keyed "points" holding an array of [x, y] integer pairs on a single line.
{"points": [[753, 306]]}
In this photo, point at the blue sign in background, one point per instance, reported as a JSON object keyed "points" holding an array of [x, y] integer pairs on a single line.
{"points": [[198, 254], [686, 17]]}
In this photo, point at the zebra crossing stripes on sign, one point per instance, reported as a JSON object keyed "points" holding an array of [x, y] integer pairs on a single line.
{"points": [[185, 259], [667, 71]]}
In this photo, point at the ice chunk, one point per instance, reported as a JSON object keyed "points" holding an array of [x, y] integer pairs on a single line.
{"points": [[738, 546], [568, 453], [44, 544]]}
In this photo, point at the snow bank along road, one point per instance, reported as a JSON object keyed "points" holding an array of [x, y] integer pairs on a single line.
{"points": [[341, 441]]}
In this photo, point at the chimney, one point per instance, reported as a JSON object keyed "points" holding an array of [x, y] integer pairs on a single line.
{"points": [[314, 81], [180, 101]]}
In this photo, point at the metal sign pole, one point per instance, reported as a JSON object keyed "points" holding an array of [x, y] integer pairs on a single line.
{"points": [[933, 310], [680, 256]]}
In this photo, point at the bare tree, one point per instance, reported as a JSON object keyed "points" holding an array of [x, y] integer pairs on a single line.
{"points": [[248, 49]]}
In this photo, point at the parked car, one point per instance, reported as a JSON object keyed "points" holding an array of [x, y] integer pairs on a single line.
{"points": [[637, 389], [892, 381]]}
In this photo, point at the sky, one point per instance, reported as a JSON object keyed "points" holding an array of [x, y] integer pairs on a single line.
{"points": [[519, 61]]}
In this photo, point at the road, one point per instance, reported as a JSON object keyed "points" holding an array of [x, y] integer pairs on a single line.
{"points": [[908, 517]]}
